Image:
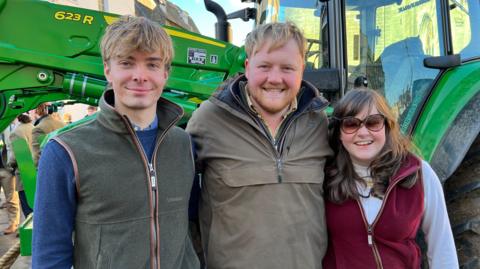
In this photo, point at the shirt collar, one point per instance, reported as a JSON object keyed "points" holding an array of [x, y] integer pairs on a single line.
{"points": [[152, 126], [361, 170]]}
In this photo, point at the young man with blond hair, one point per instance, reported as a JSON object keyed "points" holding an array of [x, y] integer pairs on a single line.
{"points": [[120, 183], [261, 144]]}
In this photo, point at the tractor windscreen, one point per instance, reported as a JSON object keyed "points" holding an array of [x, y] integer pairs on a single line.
{"points": [[310, 16]]}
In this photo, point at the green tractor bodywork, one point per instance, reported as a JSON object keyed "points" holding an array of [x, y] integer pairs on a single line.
{"points": [[456, 97], [51, 53], [28, 172]]}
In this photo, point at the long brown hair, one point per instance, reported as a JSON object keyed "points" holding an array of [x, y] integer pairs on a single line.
{"points": [[341, 178]]}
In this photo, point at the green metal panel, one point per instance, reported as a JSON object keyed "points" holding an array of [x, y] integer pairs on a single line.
{"points": [[26, 168], [52, 53], [67, 38], [452, 92], [26, 231], [28, 175], [51, 35], [15, 102]]}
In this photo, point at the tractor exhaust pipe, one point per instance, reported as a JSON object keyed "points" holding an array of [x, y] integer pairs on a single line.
{"points": [[222, 26]]}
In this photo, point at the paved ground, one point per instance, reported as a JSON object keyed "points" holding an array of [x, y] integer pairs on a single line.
{"points": [[7, 241]]}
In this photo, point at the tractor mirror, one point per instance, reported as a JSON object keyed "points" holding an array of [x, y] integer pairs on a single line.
{"points": [[327, 80], [442, 62]]}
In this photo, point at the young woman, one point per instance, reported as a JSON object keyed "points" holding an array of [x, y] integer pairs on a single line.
{"points": [[379, 194]]}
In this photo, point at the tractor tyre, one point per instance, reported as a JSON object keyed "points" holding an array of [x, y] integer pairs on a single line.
{"points": [[462, 192]]}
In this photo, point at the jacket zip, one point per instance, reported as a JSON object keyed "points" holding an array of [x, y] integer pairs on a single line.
{"points": [[152, 182], [371, 228], [154, 179], [281, 139], [289, 123], [272, 141]]}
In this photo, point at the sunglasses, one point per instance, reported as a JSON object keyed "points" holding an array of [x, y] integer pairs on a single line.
{"points": [[374, 123]]}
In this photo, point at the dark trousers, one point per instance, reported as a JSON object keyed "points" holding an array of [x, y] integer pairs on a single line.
{"points": [[26, 209]]}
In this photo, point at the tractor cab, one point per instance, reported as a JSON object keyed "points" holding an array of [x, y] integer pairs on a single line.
{"points": [[383, 44]]}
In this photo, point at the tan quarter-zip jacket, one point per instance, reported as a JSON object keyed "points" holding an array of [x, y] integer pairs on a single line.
{"points": [[262, 198]]}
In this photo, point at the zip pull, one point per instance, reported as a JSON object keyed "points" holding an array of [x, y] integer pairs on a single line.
{"points": [[370, 235], [279, 170], [153, 178], [154, 182]]}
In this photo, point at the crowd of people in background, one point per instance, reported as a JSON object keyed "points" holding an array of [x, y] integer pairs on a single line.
{"points": [[32, 127]]}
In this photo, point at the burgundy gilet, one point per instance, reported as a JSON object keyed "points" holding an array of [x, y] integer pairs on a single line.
{"points": [[390, 244]]}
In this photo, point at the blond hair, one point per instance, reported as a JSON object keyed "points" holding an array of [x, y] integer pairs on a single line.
{"points": [[275, 35], [129, 34]]}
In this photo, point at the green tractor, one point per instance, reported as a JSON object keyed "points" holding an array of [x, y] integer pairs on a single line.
{"points": [[422, 55], [50, 53]]}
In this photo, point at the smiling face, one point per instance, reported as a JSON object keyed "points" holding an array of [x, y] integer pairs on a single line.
{"points": [[274, 78], [137, 80], [364, 145]]}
